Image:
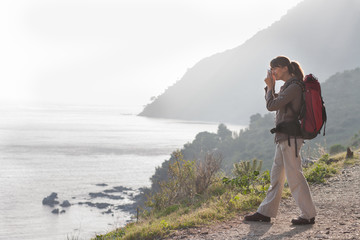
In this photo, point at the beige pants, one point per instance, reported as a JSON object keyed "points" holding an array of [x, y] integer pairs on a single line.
{"points": [[285, 162]]}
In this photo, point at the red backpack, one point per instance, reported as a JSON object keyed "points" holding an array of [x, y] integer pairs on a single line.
{"points": [[313, 113], [312, 116]]}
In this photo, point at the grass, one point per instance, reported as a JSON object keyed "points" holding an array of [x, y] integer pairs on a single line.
{"points": [[328, 166], [219, 203], [217, 209]]}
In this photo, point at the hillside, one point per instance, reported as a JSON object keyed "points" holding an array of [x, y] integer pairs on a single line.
{"points": [[342, 102], [340, 93], [228, 87]]}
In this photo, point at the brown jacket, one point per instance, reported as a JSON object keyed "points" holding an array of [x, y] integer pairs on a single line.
{"points": [[289, 93]]}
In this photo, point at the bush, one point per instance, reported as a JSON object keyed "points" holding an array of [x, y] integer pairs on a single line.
{"points": [[206, 170], [248, 178], [355, 140], [186, 180], [318, 172], [337, 148], [245, 168]]}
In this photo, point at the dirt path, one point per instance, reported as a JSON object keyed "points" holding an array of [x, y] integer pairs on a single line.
{"points": [[338, 208]]}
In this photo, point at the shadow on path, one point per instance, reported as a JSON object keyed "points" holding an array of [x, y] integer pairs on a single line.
{"points": [[291, 233], [257, 229]]}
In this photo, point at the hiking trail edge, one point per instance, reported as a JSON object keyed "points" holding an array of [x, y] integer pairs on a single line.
{"points": [[338, 216]]}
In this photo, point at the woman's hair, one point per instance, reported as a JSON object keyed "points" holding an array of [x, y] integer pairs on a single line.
{"points": [[293, 67]]}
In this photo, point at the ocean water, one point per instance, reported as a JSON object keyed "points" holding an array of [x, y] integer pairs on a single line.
{"points": [[74, 151]]}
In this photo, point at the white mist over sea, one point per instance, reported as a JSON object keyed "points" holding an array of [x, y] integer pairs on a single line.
{"points": [[74, 151]]}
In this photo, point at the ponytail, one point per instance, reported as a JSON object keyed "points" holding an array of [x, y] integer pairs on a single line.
{"points": [[294, 68]]}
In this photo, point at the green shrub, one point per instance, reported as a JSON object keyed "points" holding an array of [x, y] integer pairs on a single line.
{"points": [[319, 172], [181, 184], [245, 168], [169, 210], [117, 234], [248, 178], [324, 159], [337, 148], [355, 140], [187, 180]]}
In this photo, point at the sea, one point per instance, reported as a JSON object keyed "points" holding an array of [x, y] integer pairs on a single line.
{"points": [[84, 154]]}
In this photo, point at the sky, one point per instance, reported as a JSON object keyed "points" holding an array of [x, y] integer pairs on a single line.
{"points": [[116, 53]]}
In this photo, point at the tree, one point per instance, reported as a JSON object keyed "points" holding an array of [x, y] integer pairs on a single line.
{"points": [[223, 132]]}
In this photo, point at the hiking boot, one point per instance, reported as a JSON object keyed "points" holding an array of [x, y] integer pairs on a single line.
{"points": [[257, 217], [303, 221]]}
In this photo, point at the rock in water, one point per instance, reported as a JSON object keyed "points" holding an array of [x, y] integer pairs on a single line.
{"points": [[50, 200], [55, 211], [97, 205], [65, 203], [109, 211], [101, 185], [104, 195]]}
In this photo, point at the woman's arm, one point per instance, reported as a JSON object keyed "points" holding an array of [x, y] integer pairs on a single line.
{"points": [[284, 97]]}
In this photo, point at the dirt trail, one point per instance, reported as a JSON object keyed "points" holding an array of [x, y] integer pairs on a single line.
{"points": [[338, 208]]}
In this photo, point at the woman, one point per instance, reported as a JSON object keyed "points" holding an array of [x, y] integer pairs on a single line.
{"points": [[287, 105]]}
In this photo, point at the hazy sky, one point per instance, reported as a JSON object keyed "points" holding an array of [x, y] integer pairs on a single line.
{"points": [[116, 52]]}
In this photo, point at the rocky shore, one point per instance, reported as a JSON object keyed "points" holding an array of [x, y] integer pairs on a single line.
{"points": [[115, 193]]}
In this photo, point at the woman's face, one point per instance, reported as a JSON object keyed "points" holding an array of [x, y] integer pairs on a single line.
{"points": [[279, 72]]}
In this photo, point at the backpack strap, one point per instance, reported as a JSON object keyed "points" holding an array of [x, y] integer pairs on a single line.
{"points": [[324, 115], [302, 86], [296, 153], [296, 81], [291, 129]]}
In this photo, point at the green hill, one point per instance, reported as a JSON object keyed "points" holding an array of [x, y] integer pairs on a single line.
{"points": [[341, 96]]}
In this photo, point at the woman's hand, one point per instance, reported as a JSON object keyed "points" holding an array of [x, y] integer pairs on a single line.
{"points": [[270, 80]]}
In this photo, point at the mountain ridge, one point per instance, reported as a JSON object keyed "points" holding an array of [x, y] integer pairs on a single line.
{"points": [[228, 86]]}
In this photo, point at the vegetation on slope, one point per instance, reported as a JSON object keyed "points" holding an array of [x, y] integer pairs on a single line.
{"points": [[224, 198]]}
